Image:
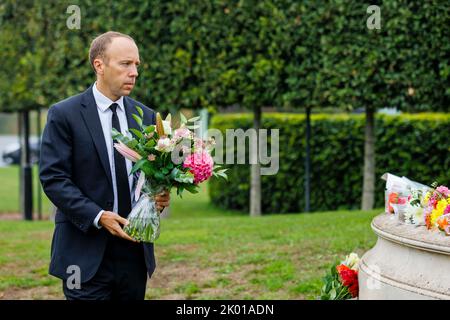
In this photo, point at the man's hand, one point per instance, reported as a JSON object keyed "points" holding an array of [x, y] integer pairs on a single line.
{"points": [[162, 200], [112, 221]]}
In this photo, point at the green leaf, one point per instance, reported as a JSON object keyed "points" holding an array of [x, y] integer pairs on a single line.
{"points": [[180, 190], [192, 188], [115, 133], [150, 129], [159, 175], [132, 143], [150, 144], [193, 127], [183, 118], [193, 119], [138, 120], [137, 133], [333, 294], [138, 165], [184, 177], [175, 172], [139, 110]]}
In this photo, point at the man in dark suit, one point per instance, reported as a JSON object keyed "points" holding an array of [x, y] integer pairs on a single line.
{"points": [[90, 183]]}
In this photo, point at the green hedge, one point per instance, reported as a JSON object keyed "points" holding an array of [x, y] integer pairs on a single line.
{"points": [[417, 146]]}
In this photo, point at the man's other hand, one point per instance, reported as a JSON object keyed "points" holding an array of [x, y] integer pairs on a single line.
{"points": [[162, 200]]}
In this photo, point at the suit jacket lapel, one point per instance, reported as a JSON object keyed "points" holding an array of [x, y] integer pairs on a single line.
{"points": [[92, 120]]}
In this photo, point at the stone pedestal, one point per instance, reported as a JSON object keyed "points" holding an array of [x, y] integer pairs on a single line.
{"points": [[407, 262]]}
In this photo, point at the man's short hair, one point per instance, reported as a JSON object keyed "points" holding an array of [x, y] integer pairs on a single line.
{"points": [[101, 43]]}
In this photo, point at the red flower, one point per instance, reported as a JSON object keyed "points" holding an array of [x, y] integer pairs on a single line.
{"points": [[349, 279]]}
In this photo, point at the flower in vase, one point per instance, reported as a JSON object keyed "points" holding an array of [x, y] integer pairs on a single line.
{"points": [[165, 145], [200, 164], [128, 153], [167, 127], [182, 133]]}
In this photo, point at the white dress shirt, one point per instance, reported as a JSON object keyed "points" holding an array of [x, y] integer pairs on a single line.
{"points": [[105, 115]]}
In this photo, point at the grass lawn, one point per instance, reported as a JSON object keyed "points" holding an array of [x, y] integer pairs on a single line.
{"points": [[9, 191], [205, 253]]}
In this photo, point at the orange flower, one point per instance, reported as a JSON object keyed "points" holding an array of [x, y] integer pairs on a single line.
{"points": [[342, 267], [393, 198], [442, 223], [428, 221]]}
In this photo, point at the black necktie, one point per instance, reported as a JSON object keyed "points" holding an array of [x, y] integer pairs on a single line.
{"points": [[123, 188]]}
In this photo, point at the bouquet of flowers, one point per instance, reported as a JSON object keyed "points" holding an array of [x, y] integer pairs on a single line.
{"points": [[164, 158], [400, 191], [341, 283], [418, 204], [437, 208]]}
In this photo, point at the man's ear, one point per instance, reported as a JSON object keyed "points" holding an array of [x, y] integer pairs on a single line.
{"points": [[99, 66]]}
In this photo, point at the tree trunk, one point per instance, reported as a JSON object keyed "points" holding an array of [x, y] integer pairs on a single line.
{"points": [[255, 187], [26, 192], [308, 161], [368, 196]]}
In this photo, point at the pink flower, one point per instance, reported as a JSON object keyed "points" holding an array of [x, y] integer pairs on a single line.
{"points": [[447, 209], [128, 153], [165, 145], [443, 190], [151, 157], [201, 165], [198, 144], [182, 132]]}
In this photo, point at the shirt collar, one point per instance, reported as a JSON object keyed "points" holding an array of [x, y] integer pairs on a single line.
{"points": [[103, 102]]}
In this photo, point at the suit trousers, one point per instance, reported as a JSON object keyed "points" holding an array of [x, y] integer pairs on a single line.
{"points": [[122, 274]]}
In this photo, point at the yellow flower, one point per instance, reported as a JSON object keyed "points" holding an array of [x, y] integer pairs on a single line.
{"points": [[439, 211], [441, 205], [426, 198]]}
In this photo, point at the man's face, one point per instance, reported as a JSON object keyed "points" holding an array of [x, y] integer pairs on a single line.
{"points": [[119, 69]]}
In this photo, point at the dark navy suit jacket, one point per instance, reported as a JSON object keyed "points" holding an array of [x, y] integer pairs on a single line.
{"points": [[76, 176]]}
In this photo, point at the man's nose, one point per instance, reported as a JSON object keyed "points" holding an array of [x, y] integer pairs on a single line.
{"points": [[134, 72]]}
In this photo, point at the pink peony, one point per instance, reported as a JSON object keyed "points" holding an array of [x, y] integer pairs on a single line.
{"points": [[201, 165]]}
